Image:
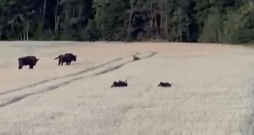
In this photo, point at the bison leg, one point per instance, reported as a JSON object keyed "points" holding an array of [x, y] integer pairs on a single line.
{"points": [[31, 66], [59, 62], [20, 64]]}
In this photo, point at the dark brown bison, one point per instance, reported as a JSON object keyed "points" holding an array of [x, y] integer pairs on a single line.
{"points": [[119, 84], [67, 58], [135, 58], [165, 84], [28, 60]]}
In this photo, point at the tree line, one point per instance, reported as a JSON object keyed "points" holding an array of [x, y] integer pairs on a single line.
{"points": [[213, 21]]}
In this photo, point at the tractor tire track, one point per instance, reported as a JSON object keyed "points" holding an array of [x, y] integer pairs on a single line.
{"points": [[61, 84], [61, 77], [121, 65]]}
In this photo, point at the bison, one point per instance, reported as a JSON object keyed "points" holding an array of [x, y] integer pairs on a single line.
{"points": [[119, 84], [27, 60], [67, 58], [165, 84]]}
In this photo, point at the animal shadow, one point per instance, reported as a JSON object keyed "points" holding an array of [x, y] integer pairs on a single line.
{"points": [[164, 84], [119, 84], [135, 58]]}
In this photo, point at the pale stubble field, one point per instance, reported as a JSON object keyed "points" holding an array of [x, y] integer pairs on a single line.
{"points": [[212, 92]]}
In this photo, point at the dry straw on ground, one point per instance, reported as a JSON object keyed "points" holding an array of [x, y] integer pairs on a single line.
{"points": [[211, 94]]}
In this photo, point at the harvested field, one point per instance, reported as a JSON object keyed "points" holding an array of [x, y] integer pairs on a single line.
{"points": [[212, 92]]}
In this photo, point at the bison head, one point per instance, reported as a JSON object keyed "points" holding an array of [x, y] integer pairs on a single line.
{"points": [[36, 61], [74, 58]]}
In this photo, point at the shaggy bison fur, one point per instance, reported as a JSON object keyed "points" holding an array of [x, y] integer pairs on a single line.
{"points": [[119, 84], [165, 84], [67, 58], [28, 60]]}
